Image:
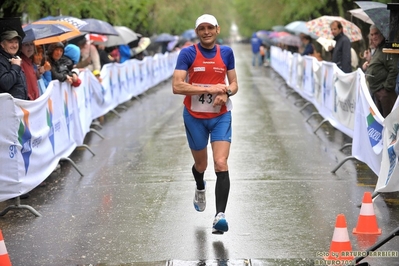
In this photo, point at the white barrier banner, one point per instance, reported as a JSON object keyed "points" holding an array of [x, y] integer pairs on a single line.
{"points": [[388, 178], [35, 135], [292, 82], [44, 135], [308, 81], [345, 100], [327, 99], [367, 135]]}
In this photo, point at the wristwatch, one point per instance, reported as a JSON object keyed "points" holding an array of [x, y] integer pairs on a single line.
{"points": [[229, 93]]}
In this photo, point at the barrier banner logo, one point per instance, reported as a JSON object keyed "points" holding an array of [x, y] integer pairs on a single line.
{"points": [[374, 130], [388, 178], [25, 138], [50, 122]]}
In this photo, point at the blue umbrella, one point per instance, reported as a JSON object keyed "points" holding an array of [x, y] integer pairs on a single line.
{"points": [[298, 27], [40, 31], [77, 22], [99, 27], [189, 34], [164, 37]]}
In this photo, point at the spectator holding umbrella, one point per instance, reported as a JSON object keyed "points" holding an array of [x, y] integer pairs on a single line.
{"points": [[381, 74]]}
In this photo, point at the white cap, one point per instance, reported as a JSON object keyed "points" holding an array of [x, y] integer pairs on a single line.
{"points": [[206, 18]]}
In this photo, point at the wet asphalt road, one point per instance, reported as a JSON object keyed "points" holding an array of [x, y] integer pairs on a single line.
{"points": [[133, 206]]}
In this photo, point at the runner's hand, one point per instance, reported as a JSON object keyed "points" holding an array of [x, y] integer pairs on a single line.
{"points": [[218, 89]]}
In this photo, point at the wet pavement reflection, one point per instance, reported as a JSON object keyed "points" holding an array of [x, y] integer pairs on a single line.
{"points": [[133, 205]]}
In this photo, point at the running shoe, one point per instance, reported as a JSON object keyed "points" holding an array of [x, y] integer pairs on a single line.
{"points": [[220, 224], [200, 199]]}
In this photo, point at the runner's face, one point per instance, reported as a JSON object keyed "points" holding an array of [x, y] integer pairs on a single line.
{"points": [[207, 34]]}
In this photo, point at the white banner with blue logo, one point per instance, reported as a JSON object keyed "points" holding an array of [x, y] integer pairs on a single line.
{"points": [[388, 178], [344, 100], [35, 135], [367, 138]]}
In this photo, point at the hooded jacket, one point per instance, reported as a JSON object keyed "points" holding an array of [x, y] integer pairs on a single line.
{"points": [[72, 51], [12, 78], [70, 58], [58, 69]]}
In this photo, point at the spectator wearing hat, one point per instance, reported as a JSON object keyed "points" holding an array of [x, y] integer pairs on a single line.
{"points": [[12, 78], [59, 71], [27, 51]]}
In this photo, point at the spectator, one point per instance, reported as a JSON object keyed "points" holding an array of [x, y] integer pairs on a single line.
{"points": [[341, 53], [367, 54], [58, 69], [105, 58], [12, 78], [89, 55], [43, 69], [70, 59], [256, 43], [262, 52], [124, 52], [115, 54], [381, 74], [27, 51], [307, 42]]}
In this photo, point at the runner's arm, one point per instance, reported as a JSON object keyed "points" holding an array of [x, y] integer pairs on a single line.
{"points": [[180, 86], [232, 78]]}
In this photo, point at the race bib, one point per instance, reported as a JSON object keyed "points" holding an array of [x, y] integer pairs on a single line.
{"points": [[204, 102]]}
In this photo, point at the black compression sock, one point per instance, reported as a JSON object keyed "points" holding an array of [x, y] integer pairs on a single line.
{"points": [[222, 190], [199, 178]]}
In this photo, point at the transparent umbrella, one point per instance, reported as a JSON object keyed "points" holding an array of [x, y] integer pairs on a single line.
{"points": [[125, 36]]}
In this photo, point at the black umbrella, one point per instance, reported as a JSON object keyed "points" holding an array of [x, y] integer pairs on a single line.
{"points": [[7, 24], [99, 27], [40, 31]]}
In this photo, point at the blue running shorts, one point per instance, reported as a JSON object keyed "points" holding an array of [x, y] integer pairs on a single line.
{"points": [[198, 130]]}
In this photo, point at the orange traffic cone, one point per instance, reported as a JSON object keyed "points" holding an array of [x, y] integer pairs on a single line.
{"points": [[341, 248], [4, 258], [367, 222]]}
